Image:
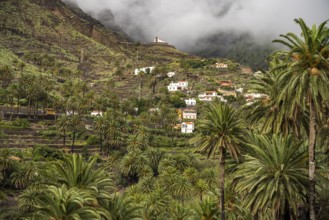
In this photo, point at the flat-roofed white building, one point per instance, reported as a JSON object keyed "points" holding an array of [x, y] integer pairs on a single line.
{"points": [[187, 127], [209, 96], [189, 114], [144, 69], [181, 85], [96, 113], [190, 102], [171, 74]]}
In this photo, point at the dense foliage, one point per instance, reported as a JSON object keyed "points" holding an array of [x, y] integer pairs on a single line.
{"points": [[265, 160]]}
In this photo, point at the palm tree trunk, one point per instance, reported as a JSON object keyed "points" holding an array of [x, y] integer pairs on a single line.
{"points": [[64, 138], [222, 182], [101, 146], [73, 139], [18, 98], [29, 108], [311, 156]]}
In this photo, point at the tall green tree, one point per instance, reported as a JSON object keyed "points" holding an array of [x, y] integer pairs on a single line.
{"points": [[63, 126], [269, 112], [74, 171], [75, 125], [219, 131], [273, 175], [63, 203], [101, 126], [120, 207], [305, 79]]}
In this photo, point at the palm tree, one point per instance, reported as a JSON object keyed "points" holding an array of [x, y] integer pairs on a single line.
{"points": [[120, 208], [273, 175], [180, 213], [209, 175], [63, 125], [220, 130], [23, 175], [305, 79], [28, 200], [135, 165], [141, 75], [200, 188], [73, 171], [6, 160], [269, 111], [182, 187], [8, 164], [207, 210], [101, 124], [140, 140], [115, 127], [156, 204], [154, 156], [181, 161], [191, 174], [64, 203], [74, 125], [146, 184], [168, 178]]}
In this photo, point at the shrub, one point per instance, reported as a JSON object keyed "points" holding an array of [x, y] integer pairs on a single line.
{"points": [[41, 152], [48, 133], [161, 141], [93, 140], [22, 123]]}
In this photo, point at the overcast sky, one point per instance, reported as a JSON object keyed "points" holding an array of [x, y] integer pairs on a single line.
{"points": [[183, 22]]}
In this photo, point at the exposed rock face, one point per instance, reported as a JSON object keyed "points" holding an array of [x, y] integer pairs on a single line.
{"points": [[107, 18], [52, 5]]}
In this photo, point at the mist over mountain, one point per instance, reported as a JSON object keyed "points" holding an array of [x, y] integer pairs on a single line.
{"points": [[192, 25]]}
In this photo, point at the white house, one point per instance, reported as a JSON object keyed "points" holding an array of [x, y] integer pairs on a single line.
{"points": [[190, 102], [187, 127], [250, 97], [96, 113], [154, 109], [254, 95], [221, 65], [157, 40], [144, 69], [209, 96], [181, 85], [239, 90], [173, 87], [189, 114], [171, 74], [71, 113]]}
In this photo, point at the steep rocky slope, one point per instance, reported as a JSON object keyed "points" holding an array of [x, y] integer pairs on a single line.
{"points": [[33, 31]]}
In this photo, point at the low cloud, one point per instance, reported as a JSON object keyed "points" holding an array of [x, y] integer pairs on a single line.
{"points": [[184, 22]]}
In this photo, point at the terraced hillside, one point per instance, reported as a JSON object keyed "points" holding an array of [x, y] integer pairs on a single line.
{"points": [[51, 37], [18, 138]]}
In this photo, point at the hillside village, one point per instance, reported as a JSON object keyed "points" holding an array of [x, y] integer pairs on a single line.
{"points": [[225, 88], [94, 125]]}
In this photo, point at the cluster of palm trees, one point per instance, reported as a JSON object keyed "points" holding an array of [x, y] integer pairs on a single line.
{"points": [[274, 175], [81, 188], [266, 151]]}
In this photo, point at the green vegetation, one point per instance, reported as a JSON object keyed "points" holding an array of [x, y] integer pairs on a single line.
{"points": [[267, 159]]}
